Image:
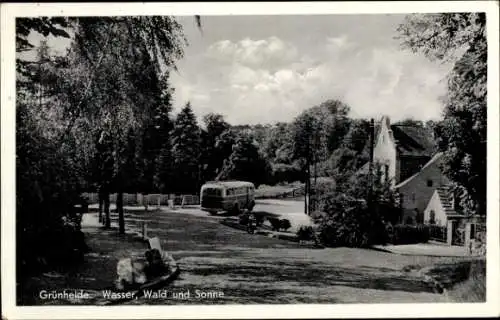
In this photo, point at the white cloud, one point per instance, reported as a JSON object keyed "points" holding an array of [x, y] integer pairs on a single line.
{"points": [[269, 80], [264, 53]]}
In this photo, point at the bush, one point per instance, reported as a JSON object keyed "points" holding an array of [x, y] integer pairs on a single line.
{"points": [[408, 234], [285, 224], [350, 223], [279, 224], [275, 223], [306, 233], [243, 218]]}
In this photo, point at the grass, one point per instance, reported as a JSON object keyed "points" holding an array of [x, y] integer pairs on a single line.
{"points": [[473, 289], [249, 269]]}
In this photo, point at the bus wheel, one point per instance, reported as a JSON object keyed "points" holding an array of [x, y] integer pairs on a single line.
{"points": [[236, 209]]}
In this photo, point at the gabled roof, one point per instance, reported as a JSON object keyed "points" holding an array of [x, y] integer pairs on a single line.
{"points": [[446, 201], [413, 140], [433, 160]]}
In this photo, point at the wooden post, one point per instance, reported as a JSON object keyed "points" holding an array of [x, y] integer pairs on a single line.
{"points": [[449, 232], [468, 238]]}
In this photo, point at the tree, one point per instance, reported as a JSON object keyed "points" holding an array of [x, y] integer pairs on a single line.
{"points": [[246, 162], [213, 156], [458, 38], [277, 146], [186, 151], [125, 60], [349, 221], [306, 133], [49, 175], [333, 113], [110, 74], [157, 146], [358, 135], [45, 26]]}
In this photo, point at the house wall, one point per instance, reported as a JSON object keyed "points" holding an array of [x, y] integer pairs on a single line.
{"points": [[416, 193], [440, 215], [384, 151]]}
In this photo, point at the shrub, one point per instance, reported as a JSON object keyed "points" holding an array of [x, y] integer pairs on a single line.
{"points": [[243, 218], [306, 233], [285, 224], [349, 222], [275, 223]]}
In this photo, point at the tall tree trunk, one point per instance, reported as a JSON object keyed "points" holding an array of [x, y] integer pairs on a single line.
{"points": [[119, 207], [107, 220]]}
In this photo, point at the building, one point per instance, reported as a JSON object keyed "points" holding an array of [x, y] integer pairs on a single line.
{"points": [[417, 190], [441, 208], [406, 155]]}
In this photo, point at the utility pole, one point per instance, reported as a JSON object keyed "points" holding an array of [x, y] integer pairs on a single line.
{"points": [[316, 142], [370, 176], [308, 178]]}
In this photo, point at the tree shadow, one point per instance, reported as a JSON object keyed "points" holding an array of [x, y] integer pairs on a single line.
{"points": [[321, 276]]}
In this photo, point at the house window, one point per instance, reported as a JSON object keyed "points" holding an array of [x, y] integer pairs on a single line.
{"points": [[429, 183], [413, 197], [386, 172]]}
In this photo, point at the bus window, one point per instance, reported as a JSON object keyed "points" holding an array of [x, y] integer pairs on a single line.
{"points": [[212, 192]]}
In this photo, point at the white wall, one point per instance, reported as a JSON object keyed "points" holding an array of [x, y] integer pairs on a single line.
{"points": [[435, 204], [418, 186]]}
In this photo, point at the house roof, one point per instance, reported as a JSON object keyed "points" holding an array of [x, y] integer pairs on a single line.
{"points": [[446, 201], [412, 140], [433, 160]]}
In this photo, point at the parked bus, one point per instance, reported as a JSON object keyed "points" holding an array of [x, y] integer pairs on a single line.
{"points": [[228, 196]]}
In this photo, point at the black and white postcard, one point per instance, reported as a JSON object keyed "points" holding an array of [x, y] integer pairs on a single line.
{"points": [[250, 160]]}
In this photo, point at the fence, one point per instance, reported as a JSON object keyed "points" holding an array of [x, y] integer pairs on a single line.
{"points": [[437, 233], [138, 199]]}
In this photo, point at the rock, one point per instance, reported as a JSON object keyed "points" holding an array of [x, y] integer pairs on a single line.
{"points": [[130, 272]]}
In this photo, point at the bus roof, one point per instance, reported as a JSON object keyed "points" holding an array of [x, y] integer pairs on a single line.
{"points": [[228, 184]]}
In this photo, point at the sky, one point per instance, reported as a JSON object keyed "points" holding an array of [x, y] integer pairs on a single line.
{"points": [[265, 69], [268, 69]]}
